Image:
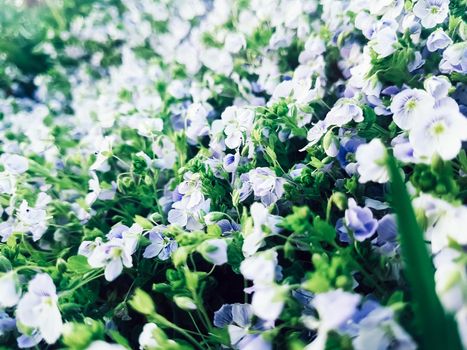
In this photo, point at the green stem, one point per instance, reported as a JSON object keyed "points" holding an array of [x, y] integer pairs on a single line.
{"points": [[439, 330], [165, 322]]}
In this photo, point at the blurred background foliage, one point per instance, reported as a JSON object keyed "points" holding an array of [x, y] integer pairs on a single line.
{"points": [[26, 28]]}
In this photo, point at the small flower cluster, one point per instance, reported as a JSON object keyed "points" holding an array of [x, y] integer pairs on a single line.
{"points": [[221, 168]]}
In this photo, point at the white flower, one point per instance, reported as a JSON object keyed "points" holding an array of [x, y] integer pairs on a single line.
{"points": [[448, 226], [32, 219], [95, 189], [261, 220], [410, 105], [268, 301], [260, 268], [237, 122], [461, 319], [440, 132], [14, 164], [315, 134], [102, 153], [96, 192], [102, 345], [217, 60], [431, 12], [146, 126], [186, 54], [383, 42], [38, 308], [10, 291], [371, 160], [366, 23], [451, 280], [438, 40], [335, 307], [343, 112], [146, 338], [190, 189], [298, 89], [314, 46], [196, 123], [191, 204], [7, 183], [234, 42], [112, 255], [191, 9], [87, 247], [386, 8], [302, 91], [166, 153]]}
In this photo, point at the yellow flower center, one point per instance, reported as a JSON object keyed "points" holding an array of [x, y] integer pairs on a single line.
{"points": [[411, 104]]}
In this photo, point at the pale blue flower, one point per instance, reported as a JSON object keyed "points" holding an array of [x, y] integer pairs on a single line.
{"points": [[360, 221], [161, 246], [264, 184], [416, 63], [214, 251], [346, 154], [238, 320], [438, 40], [410, 104], [7, 323], [228, 227], [454, 59], [28, 341], [437, 86], [378, 330], [386, 237], [230, 162]]}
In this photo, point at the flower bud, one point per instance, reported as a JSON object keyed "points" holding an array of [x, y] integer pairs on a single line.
{"points": [[185, 303]]}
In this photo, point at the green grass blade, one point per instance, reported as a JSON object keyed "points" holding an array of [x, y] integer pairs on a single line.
{"points": [[438, 330]]}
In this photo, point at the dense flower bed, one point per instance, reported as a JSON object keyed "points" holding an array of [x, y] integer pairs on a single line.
{"points": [[217, 174]]}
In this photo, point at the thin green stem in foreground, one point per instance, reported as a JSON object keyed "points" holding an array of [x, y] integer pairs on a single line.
{"points": [[438, 330]]}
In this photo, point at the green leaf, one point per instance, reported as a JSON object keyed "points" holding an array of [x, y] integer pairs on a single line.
{"points": [[214, 230], [78, 264], [439, 330], [5, 264]]}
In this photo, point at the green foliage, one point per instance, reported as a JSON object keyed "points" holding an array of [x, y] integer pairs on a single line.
{"points": [[78, 336], [438, 329]]}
